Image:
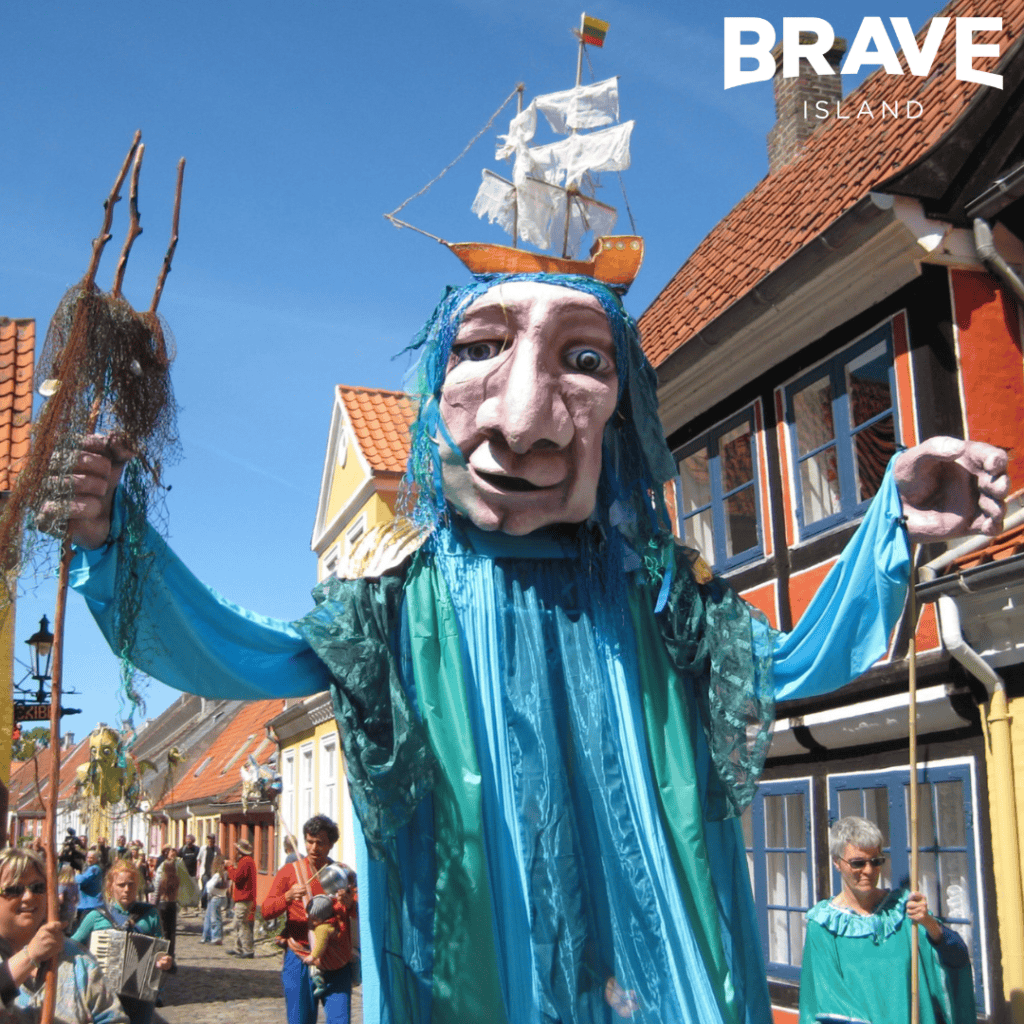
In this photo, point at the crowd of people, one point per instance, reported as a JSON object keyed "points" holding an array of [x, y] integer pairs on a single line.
{"points": [[102, 887]]}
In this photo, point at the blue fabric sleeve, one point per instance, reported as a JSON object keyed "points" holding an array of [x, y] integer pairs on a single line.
{"points": [[846, 627], [191, 638], [951, 949]]}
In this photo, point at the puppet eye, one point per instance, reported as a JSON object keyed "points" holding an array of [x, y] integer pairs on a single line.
{"points": [[588, 360], [476, 351]]}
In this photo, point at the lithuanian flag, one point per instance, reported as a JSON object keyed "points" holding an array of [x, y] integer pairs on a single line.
{"points": [[593, 30]]}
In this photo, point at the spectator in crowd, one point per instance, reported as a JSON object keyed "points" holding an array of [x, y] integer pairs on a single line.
{"points": [[121, 849], [210, 850], [167, 883], [215, 891], [189, 855], [27, 941], [103, 849], [289, 850], [72, 852], [243, 886], [122, 909], [67, 896], [90, 884], [293, 888]]}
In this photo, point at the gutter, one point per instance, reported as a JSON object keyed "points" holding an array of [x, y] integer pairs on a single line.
{"points": [[862, 221]]}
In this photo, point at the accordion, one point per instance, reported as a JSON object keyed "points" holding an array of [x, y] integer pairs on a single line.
{"points": [[129, 961]]}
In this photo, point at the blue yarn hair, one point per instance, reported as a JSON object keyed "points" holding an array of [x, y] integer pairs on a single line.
{"points": [[635, 459]]}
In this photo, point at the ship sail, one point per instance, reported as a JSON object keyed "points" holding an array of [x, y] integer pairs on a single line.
{"points": [[538, 210], [542, 205]]}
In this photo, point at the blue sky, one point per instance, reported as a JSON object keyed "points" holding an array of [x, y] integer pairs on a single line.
{"points": [[303, 123]]}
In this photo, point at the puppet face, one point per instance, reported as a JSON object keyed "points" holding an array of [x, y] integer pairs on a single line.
{"points": [[530, 386]]}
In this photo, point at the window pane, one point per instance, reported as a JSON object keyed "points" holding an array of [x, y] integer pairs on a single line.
{"points": [[798, 883], [867, 384], [797, 928], [795, 816], [876, 808], [778, 936], [740, 522], [698, 533], [812, 408], [819, 485], [737, 454], [774, 822], [747, 822], [693, 472], [874, 447], [949, 798], [777, 891]]}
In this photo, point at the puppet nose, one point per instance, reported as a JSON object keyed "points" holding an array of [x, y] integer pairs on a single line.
{"points": [[526, 407]]}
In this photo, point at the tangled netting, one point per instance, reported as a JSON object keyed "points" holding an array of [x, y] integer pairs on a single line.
{"points": [[104, 368]]}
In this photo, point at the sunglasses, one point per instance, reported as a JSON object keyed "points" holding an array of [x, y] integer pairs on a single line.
{"points": [[17, 890], [860, 863]]}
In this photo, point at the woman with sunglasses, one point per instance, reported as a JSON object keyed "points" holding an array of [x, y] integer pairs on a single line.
{"points": [[27, 943], [856, 957], [124, 910]]}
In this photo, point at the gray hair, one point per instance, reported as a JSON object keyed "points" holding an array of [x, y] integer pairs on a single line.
{"points": [[853, 831]]}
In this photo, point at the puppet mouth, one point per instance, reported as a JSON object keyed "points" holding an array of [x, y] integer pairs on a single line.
{"points": [[508, 483]]}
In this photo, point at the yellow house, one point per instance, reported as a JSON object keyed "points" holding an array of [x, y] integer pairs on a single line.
{"points": [[17, 354], [367, 449]]}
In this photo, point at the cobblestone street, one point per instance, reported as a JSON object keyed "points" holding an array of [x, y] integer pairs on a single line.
{"points": [[211, 987]]}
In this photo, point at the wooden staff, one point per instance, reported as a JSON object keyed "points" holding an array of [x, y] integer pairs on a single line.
{"points": [[915, 1006], [56, 679]]}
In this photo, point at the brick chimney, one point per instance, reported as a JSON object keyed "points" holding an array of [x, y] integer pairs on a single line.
{"points": [[791, 129]]}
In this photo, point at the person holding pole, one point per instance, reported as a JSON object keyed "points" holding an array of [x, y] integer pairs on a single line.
{"points": [[857, 950]]}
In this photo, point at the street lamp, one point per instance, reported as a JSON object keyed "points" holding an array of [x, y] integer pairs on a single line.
{"points": [[41, 643]]}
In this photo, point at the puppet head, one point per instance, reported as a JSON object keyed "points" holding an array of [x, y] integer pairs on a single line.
{"points": [[537, 408]]}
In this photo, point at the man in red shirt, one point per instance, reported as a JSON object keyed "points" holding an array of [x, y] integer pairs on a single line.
{"points": [[243, 880], [293, 886]]}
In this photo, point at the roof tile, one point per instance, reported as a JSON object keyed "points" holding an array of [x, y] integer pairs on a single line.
{"points": [[380, 420]]}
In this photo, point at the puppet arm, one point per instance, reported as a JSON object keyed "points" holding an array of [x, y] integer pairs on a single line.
{"points": [[938, 490], [846, 627], [191, 637]]}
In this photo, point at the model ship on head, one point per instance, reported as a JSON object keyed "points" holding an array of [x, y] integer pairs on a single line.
{"points": [[549, 201]]}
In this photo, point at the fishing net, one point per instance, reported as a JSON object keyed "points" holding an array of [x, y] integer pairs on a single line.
{"points": [[104, 368]]}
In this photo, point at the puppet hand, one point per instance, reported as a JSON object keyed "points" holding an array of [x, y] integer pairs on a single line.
{"points": [[96, 472], [951, 487]]}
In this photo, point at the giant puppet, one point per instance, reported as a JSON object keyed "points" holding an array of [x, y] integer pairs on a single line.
{"points": [[551, 711]]}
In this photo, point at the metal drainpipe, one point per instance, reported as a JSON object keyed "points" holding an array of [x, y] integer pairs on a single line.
{"points": [[1011, 892], [985, 247]]}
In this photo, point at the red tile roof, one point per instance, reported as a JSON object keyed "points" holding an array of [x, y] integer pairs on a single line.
{"points": [[840, 163], [381, 421], [17, 355], [214, 776], [1007, 544]]}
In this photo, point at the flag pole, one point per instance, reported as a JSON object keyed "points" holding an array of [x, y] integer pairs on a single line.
{"points": [[915, 1007], [579, 54]]}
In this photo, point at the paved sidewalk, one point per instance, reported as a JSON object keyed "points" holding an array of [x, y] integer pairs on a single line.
{"points": [[211, 987]]}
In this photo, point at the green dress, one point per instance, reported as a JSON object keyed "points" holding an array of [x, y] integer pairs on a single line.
{"points": [[856, 968]]}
